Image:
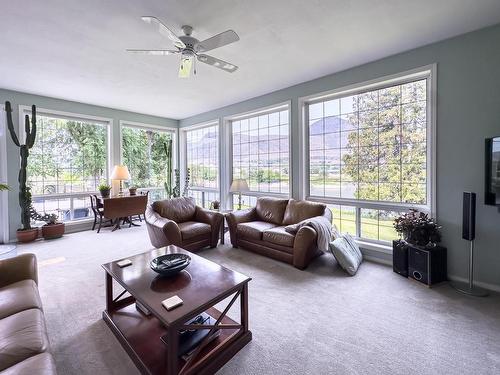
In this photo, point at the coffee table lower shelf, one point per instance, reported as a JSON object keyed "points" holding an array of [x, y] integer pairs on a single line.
{"points": [[140, 336]]}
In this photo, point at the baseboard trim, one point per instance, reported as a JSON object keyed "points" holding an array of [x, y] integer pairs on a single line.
{"points": [[492, 287], [371, 258]]}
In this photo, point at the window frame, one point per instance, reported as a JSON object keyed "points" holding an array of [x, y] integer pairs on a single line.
{"points": [[184, 161], [429, 73], [107, 122], [144, 126], [278, 107]]}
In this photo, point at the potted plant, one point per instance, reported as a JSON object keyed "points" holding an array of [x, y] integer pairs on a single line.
{"points": [[418, 228], [26, 233], [52, 229], [132, 190], [215, 205], [105, 190]]}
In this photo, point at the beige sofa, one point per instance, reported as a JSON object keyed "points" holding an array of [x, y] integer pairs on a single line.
{"points": [[24, 345]]}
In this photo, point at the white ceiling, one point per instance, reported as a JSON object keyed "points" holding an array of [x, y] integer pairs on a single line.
{"points": [[75, 50]]}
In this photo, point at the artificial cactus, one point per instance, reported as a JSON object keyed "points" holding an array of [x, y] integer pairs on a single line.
{"points": [[168, 184], [24, 191]]}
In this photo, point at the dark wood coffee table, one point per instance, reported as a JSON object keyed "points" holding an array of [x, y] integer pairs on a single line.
{"points": [[201, 285]]}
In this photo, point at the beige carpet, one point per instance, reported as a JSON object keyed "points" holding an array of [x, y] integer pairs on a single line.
{"points": [[317, 321]]}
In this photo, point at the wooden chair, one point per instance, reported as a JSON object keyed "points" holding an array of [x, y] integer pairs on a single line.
{"points": [[146, 193], [98, 210]]}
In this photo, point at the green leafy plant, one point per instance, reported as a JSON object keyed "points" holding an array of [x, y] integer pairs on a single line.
{"points": [[418, 228], [104, 187], [3, 187], [24, 190]]}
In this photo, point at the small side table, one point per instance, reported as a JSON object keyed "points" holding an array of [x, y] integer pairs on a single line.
{"points": [[223, 227]]}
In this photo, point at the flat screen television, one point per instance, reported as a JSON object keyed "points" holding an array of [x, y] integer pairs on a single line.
{"points": [[492, 183]]}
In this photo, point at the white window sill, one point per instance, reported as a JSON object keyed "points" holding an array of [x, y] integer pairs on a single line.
{"points": [[386, 249]]}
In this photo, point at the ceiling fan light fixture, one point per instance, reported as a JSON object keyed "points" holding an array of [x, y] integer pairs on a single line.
{"points": [[187, 62]]}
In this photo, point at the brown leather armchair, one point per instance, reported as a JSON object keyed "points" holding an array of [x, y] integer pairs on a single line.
{"points": [[262, 229], [180, 222]]}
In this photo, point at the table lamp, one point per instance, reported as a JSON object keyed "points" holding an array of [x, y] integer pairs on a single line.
{"points": [[238, 186], [121, 173]]}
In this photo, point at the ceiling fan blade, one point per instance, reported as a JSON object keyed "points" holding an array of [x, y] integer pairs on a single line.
{"points": [[218, 63], [218, 40], [155, 52], [164, 30]]}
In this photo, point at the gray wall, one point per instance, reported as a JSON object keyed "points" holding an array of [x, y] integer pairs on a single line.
{"points": [[18, 98], [468, 111]]}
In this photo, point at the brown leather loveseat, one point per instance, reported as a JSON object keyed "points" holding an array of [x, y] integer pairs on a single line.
{"points": [[180, 222], [262, 229], [24, 345]]}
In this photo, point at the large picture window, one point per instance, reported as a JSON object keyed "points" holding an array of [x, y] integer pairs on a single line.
{"points": [[260, 151], [143, 152], [202, 159], [368, 155], [68, 160]]}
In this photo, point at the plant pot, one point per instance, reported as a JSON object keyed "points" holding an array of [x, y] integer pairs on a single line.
{"points": [[27, 235], [105, 193], [52, 231], [132, 191]]}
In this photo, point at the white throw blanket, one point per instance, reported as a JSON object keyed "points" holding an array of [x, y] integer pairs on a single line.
{"points": [[320, 224]]}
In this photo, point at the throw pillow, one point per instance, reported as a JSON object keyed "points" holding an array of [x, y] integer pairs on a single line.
{"points": [[347, 253]]}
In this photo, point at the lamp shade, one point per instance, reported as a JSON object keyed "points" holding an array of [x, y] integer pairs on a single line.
{"points": [[120, 172], [238, 186]]}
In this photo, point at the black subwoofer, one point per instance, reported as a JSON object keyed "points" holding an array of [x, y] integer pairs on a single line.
{"points": [[427, 266]]}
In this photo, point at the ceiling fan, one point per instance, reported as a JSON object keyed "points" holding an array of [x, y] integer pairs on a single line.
{"points": [[191, 49]]}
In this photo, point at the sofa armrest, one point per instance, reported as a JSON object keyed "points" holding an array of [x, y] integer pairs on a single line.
{"points": [[212, 218], [236, 217], [162, 231], [21, 267], [304, 247]]}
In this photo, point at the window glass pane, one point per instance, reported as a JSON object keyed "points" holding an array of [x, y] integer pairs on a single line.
{"points": [[203, 155], [267, 146], [378, 224], [143, 152], [382, 138], [67, 161]]}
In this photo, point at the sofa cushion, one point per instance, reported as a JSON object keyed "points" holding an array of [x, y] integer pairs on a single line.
{"points": [[22, 335], [19, 296], [271, 209], [296, 211], [278, 236], [40, 364], [176, 209], [191, 229], [253, 230]]}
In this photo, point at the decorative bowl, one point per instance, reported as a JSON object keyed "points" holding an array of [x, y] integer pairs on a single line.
{"points": [[157, 264]]}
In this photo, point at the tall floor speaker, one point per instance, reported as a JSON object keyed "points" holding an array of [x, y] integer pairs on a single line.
{"points": [[469, 234]]}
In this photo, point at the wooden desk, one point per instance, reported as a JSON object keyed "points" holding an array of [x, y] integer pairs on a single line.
{"points": [[117, 208]]}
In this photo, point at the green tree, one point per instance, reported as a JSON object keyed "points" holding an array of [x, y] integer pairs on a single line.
{"points": [[386, 155]]}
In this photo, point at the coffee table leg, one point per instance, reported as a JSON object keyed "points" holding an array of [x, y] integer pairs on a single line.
{"points": [[244, 307], [109, 292], [172, 349]]}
